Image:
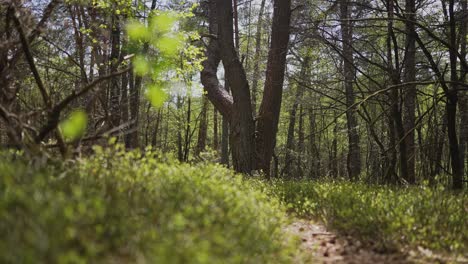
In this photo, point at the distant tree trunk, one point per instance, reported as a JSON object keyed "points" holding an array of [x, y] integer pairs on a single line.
{"points": [[154, 138], [188, 125], [354, 151], [438, 149], [394, 71], [215, 130], [148, 120], [463, 105], [202, 129], [166, 132], [124, 101], [451, 103], [258, 50], [333, 159], [114, 63], [273, 91], [290, 146], [180, 144], [289, 157], [300, 143], [410, 89], [314, 153], [390, 175]]}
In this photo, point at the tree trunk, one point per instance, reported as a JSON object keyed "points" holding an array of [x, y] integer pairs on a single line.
{"points": [[393, 70], [154, 138], [180, 144], [215, 130], [451, 104], [314, 153], [202, 129], [132, 140], [225, 142], [463, 104], [258, 50], [410, 89], [188, 126], [354, 151], [242, 128], [273, 91], [300, 143], [114, 63]]}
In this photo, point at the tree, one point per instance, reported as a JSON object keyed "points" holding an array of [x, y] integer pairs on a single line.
{"points": [[238, 109], [354, 152]]}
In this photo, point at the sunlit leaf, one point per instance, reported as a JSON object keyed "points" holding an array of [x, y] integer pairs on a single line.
{"points": [[74, 126], [163, 22], [140, 65], [156, 95], [169, 45], [137, 31]]}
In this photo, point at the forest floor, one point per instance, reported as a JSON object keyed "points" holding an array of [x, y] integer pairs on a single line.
{"points": [[320, 245]]}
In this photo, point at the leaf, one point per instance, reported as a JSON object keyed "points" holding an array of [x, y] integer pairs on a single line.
{"points": [[137, 31], [156, 95], [163, 22], [74, 126], [169, 45], [140, 65]]}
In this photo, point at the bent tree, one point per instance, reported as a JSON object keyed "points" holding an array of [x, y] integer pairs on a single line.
{"points": [[252, 148]]}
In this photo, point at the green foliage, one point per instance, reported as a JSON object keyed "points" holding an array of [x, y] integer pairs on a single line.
{"points": [[155, 95], [168, 56], [392, 216], [134, 207], [74, 126]]}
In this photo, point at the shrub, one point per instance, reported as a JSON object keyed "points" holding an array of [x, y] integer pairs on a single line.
{"points": [[117, 206], [391, 216]]}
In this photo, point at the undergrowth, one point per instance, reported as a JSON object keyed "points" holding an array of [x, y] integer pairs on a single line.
{"points": [[131, 207], [389, 216]]}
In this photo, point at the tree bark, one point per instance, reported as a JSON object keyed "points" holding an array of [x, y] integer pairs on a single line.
{"points": [[114, 63], [242, 128], [273, 91], [258, 50], [354, 151], [410, 89], [451, 104], [202, 129], [463, 104], [215, 130]]}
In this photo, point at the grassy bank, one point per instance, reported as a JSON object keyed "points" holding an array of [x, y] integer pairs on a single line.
{"points": [[390, 216], [117, 206]]}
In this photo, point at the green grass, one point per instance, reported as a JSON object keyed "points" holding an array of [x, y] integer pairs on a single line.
{"points": [[389, 216], [129, 207]]}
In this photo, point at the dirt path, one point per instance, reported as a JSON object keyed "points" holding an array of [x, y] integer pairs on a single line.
{"points": [[318, 245]]}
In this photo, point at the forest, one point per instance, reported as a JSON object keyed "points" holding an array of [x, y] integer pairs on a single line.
{"points": [[233, 131]]}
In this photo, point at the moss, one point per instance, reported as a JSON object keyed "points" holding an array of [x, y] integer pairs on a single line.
{"points": [[134, 206]]}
